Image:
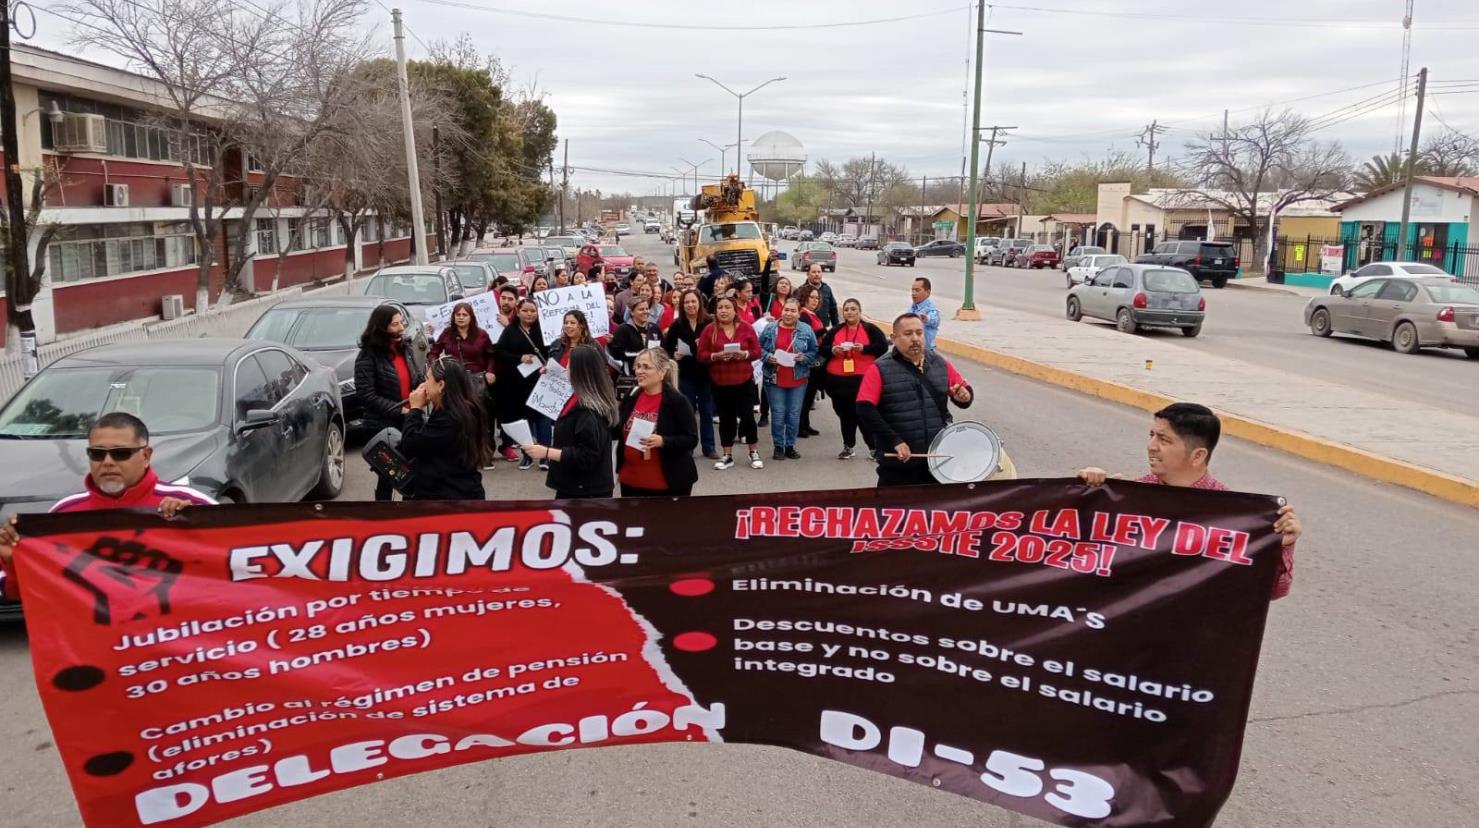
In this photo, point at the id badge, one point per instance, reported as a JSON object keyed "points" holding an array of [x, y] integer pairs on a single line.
{"points": [[847, 365]]}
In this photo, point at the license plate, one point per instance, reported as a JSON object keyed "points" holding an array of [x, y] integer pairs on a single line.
{"points": [[1471, 321], [1216, 261]]}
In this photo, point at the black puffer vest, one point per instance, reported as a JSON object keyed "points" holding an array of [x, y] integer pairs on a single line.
{"points": [[913, 403]]}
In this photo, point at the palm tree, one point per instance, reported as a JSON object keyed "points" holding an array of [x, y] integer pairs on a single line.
{"points": [[1380, 171]]}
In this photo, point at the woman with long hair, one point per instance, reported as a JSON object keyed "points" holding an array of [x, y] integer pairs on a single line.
{"points": [[665, 311], [663, 466], [522, 344], [465, 341], [779, 293], [575, 330], [729, 348], [745, 303], [384, 377], [635, 335], [811, 300], [693, 378], [640, 290], [786, 382], [579, 453], [446, 435], [540, 283], [851, 348]]}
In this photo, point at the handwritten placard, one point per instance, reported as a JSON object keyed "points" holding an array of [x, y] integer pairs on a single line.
{"points": [[589, 299], [550, 394], [484, 308]]}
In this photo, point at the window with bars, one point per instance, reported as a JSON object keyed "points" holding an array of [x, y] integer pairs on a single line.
{"points": [[322, 234], [96, 251], [266, 235], [295, 236]]}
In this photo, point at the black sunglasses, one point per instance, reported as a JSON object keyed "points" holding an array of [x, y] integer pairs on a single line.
{"points": [[119, 455]]}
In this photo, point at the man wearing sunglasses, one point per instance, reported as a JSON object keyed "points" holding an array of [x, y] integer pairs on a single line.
{"points": [[119, 477]]}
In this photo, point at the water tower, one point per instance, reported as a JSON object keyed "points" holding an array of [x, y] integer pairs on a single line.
{"points": [[776, 156]]}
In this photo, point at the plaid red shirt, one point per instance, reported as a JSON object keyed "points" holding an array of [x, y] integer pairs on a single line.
{"points": [[729, 371], [1285, 578]]}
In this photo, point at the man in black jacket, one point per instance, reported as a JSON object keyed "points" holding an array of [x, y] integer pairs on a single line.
{"points": [[827, 311], [902, 403]]}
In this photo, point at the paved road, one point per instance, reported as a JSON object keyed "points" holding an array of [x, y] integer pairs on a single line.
{"points": [[1262, 327]]}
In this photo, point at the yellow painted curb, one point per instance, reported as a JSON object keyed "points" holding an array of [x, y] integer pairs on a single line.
{"points": [[1374, 466]]}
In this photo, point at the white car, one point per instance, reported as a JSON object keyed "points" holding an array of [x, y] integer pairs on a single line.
{"points": [[847, 241], [1390, 270], [829, 237], [1089, 266]]}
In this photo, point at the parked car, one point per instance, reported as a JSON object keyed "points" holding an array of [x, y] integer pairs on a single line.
{"points": [[1005, 254], [1036, 256], [508, 262], [239, 420], [1089, 265], [896, 253], [571, 244], [805, 235], [868, 243], [474, 273], [1078, 253], [790, 232], [623, 229], [1410, 313], [1138, 296], [818, 251], [616, 259], [1378, 270], [829, 237], [327, 330], [984, 245], [940, 247], [1207, 261], [420, 287], [846, 240]]}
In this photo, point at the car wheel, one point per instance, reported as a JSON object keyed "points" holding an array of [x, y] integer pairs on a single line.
{"points": [[1075, 313], [1125, 321], [1220, 283], [1471, 353], [911, 264], [1069, 279], [1334, 290], [1320, 322], [331, 473], [1192, 330], [1404, 339]]}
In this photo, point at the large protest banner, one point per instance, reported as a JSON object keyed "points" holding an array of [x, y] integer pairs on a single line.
{"points": [[589, 298], [1081, 655]]}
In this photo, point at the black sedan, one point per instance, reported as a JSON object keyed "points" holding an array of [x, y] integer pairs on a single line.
{"points": [[328, 330], [941, 247], [896, 253]]}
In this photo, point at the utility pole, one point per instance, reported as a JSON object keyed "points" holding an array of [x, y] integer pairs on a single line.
{"points": [[872, 184], [1147, 139], [408, 132], [564, 185], [968, 310], [991, 146], [436, 188], [18, 283], [924, 189], [1226, 138], [1417, 128]]}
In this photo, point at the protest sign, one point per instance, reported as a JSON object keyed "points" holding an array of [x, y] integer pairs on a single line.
{"points": [[589, 298], [551, 393], [484, 308], [1082, 655]]}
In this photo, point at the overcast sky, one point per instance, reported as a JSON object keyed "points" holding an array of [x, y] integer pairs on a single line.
{"points": [[1075, 84]]}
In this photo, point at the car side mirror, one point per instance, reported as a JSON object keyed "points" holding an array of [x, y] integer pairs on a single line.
{"points": [[258, 418], [457, 297]]}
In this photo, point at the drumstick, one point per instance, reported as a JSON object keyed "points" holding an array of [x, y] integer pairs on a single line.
{"points": [[924, 456]]}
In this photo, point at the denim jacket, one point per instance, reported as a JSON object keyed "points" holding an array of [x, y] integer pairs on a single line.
{"points": [[803, 344]]}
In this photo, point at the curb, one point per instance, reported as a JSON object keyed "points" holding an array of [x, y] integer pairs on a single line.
{"points": [[1263, 288], [1373, 466]]}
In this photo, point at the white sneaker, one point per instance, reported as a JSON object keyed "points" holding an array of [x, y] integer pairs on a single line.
{"points": [[755, 461], [725, 462]]}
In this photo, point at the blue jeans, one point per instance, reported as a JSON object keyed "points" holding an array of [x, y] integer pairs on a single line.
{"points": [[700, 394], [785, 413], [543, 428]]}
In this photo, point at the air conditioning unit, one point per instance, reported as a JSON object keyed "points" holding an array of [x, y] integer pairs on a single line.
{"points": [[172, 306], [82, 132], [115, 195], [180, 195]]}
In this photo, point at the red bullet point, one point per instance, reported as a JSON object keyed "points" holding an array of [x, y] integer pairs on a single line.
{"points": [[692, 587], [694, 642]]}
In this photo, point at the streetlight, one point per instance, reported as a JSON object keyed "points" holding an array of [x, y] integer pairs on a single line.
{"points": [[722, 150], [695, 172], [739, 138]]}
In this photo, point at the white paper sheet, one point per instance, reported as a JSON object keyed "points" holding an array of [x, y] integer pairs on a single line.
{"points": [[640, 429], [731, 346], [519, 432], [683, 349], [785, 359], [527, 368], [550, 395], [554, 366]]}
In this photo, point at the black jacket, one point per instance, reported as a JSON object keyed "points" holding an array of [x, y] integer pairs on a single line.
{"points": [[584, 468], [513, 387], [689, 368], [827, 310], [913, 405], [679, 429], [629, 339], [877, 343], [430, 443], [378, 387]]}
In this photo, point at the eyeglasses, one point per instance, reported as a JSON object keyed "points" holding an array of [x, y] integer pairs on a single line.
{"points": [[120, 454]]}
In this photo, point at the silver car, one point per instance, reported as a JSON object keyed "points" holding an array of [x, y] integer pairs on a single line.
{"points": [[1437, 312], [1135, 296], [1078, 253]]}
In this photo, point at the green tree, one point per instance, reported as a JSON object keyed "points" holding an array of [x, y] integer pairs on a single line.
{"points": [[801, 202], [1382, 170]]}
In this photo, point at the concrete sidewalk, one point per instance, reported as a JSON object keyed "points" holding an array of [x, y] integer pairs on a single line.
{"points": [[1435, 450]]}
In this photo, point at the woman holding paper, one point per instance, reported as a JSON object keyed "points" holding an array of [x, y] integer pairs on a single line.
{"points": [[658, 432], [578, 455], [729, 348], [853, 346], [521, 355], [446, 435], [681, 342], [788, 350], [637, 334], [465, 341]]}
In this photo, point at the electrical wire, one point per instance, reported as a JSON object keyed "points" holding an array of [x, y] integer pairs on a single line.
{"points": [[631, 24], [1305, 22]]}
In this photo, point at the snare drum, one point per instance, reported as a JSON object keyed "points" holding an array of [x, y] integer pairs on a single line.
{"points": [[968, 452]]}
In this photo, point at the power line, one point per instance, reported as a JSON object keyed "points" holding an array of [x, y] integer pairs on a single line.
{"points": [[1323, 23], [630, 24]]}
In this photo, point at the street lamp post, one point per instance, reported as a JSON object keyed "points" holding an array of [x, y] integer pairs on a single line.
{"points": [[722, 150], [695, 172], [739, 137]]}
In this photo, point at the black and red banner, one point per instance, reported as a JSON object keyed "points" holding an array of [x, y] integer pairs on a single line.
{"points": [[1081, 655]]}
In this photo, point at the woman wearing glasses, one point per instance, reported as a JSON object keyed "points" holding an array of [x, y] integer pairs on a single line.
{"points": [[663, 465], [446, 436]]}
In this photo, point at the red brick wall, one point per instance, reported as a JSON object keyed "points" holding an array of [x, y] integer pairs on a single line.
{"points": [[398, 250], [4, 309], [299, 268], [83, 179], [93, 303]]}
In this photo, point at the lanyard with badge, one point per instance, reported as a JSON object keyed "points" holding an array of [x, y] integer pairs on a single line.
{"points": [[848, 366]]}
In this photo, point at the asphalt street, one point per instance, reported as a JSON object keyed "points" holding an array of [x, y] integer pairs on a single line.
{"points": [[1363, 715]]}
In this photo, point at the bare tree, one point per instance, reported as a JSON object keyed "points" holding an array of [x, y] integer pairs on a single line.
{"points": [[44, 181], [1262, 167], [1450, 153]]}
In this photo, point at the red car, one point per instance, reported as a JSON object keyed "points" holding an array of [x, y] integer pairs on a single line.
{"points": [[510, 262], [1036, 256], [613, 256]]}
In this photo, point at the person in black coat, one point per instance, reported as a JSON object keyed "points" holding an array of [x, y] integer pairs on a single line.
{"points": [[693, 376], [850, 349], [664, 465], [522, 343], [579, 454], [446, 436], [384, 377], [634, 336]]}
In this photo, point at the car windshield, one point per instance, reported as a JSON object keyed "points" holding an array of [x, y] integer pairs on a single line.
{"points": [[1453, 294], [312, 329], [1170, 281], [563, 241], [1106, 261], [1042, 248], [411, 288], [63, 403], [504, 262], [1425, 269], [896, 246], [471, 274], [1215, 250], [613, 250], [729, 232]]}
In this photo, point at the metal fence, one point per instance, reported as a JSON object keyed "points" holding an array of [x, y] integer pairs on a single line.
{"points": [[1312, 254]]}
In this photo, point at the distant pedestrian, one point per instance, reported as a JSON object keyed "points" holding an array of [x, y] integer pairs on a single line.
{"points": [[810, 298], [637, 334], [578, 455], [664, 465], [780, 292], [924, 308], [446, 435], [745, 302], [522, 344], [851, 349], [729, 347], [827, 303], [384, 376], [711, 275], [785, 385], [693, 377], [539, 285]]}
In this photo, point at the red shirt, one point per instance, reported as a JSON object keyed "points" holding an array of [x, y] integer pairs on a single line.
{"points": [[669, 313], [861, 362], [729, 371], [776, 306], [636, 470], [872, 387], [785, 375], [402, 371], [1285, 578]]}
